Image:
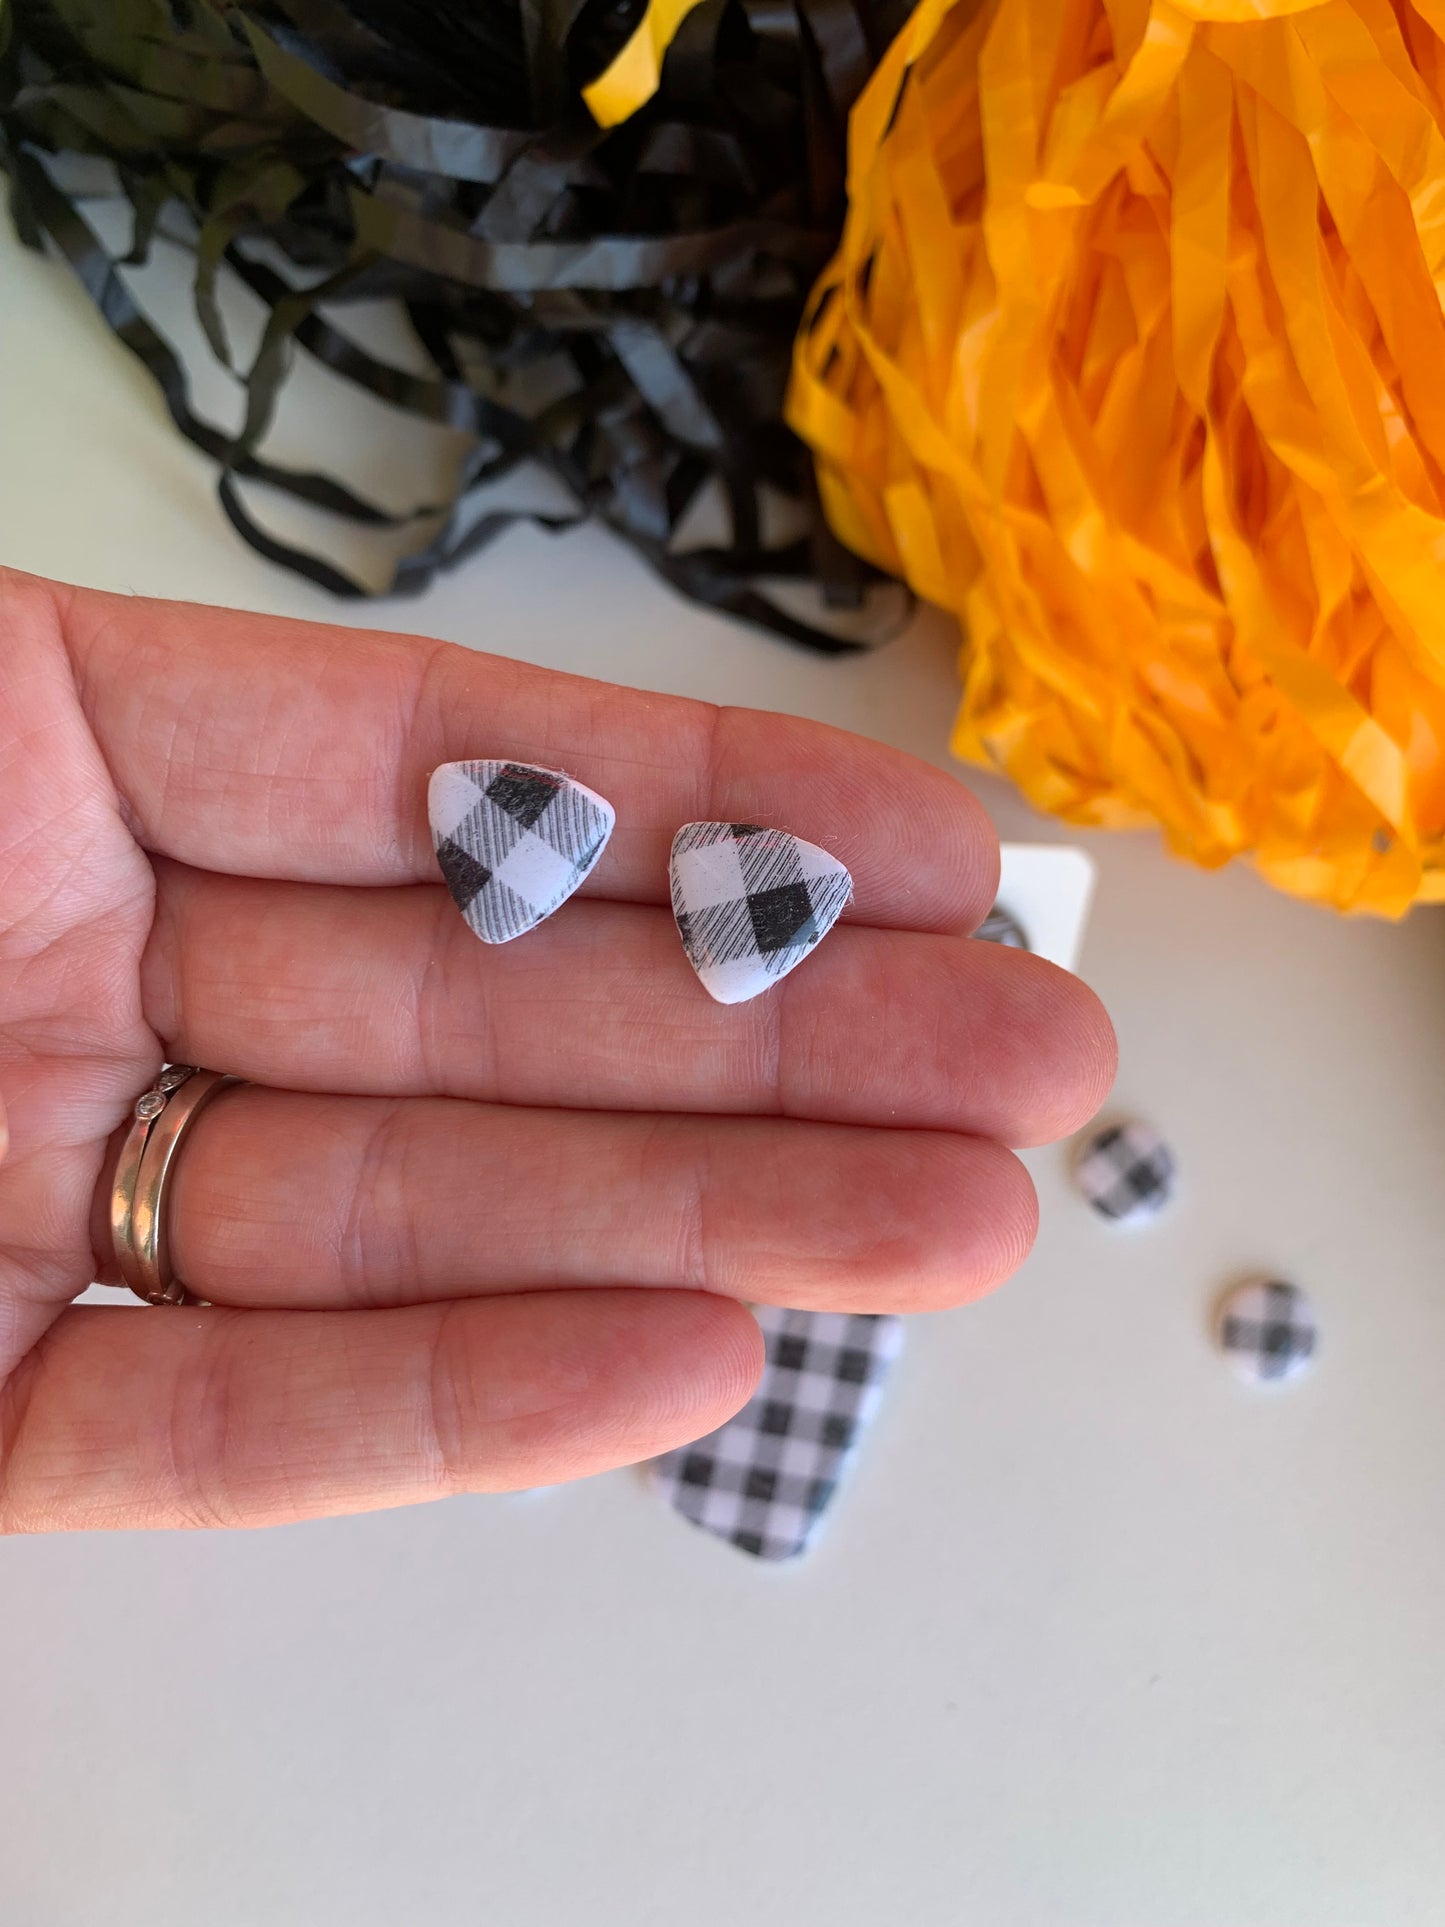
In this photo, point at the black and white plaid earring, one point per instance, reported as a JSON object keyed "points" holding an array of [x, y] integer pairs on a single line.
{"points": [[750, 904], [1126, 1172], [513, 842], [764, 1480], [1268, 1331]]}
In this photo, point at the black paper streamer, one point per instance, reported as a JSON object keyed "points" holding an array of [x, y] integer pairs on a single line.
{"points": [[647, 280]]}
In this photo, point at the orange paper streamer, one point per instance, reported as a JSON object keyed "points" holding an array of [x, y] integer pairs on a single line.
{"points": [[1133, 356]]}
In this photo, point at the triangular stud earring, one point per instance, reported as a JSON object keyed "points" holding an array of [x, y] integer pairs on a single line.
{"points": [[750, 904], [513, 842]]}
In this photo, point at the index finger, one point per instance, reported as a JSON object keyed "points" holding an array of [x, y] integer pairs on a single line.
{"points": [[301, 751]]}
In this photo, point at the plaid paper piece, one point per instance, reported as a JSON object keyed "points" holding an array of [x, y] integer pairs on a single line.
{"points": [[1126, 1172], [1001, 926], [513, 842], [1268, 1330], [764, 1480], [751, 903]]}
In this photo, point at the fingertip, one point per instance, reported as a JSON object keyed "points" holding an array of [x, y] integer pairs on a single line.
{"points": [[980, 860], [935, 841], [709, 1358], [613, 1376], [976, 1224], [1094, 1056], [1060, 1056], [1014, 1224]]}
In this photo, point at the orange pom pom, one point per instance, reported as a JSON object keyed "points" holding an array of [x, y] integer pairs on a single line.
{"points": [[1133, 356]]}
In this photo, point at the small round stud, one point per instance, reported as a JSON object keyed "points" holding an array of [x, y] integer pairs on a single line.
{"points": [[1268, 1331], [1126, 1171]]}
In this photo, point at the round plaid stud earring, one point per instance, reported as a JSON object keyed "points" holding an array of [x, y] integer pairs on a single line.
{"points": [[1267, 1330], [513, 842], [1126, 1171], [750, 904]]}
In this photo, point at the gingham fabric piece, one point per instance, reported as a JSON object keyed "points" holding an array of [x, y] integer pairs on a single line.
{"points": [[1268, 1331], [513, 841], [764, 1480], [1001, 926], [751, 903], [1126, 1172]]}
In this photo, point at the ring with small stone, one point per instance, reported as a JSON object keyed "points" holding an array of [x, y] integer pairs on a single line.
{"points": [[138, 1228]]}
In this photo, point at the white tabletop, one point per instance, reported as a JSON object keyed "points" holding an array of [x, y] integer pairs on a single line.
{"points": [[1096, 1638]]}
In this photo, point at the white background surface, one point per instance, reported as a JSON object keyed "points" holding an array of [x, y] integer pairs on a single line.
{"points": [[1096, 1638]]}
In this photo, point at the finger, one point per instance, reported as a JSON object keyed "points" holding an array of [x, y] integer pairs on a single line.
{"points": [[285, 749], [387, 992], [224, 1418], [283, 1199]]}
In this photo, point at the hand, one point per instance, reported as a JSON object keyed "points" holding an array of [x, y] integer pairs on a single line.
{"points": [[485, 1218]]}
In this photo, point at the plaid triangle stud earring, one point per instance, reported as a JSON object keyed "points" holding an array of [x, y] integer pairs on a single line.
{"points": [[513, 842], [751, 903]]}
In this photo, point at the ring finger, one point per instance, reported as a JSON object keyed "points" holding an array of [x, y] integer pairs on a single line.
{"points": [[288, 1199]]}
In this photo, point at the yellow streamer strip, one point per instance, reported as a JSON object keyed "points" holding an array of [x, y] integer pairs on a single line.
{"points": [[632, 78]]}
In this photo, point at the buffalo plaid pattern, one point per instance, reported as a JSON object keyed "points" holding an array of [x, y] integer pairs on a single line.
{"points": [[1268, 1330], [750, 903], [513, 842], [1126, 1172], [764, 1480]]}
